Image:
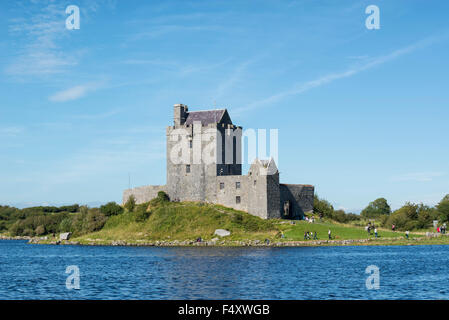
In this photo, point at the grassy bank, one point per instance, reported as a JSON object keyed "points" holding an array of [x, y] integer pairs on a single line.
{"points": [[161, 222], [187, 221]]}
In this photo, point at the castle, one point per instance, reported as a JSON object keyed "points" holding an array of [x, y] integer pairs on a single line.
{"points": [[204, 164]]}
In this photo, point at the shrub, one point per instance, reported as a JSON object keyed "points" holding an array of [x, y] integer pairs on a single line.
{"points": [[66, 225], [130, 204], [111, 209], [376, 208], [141, 213], [443, 209], [162, 196], [95, 220], [323, 207]]}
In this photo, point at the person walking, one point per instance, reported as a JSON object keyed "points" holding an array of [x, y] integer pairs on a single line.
{"points": [[329, 234], [315, 237], [406, 234], [375, 233]]}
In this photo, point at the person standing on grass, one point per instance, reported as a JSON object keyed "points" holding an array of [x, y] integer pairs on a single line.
{"points": [[406, 234], [315, 237], [329, 234], [375, 233]]}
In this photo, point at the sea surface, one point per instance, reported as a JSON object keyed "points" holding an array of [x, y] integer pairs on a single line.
{"points": [[30, 271]]}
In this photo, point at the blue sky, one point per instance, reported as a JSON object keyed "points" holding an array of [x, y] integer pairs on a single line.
{"points": [[361, 113]]}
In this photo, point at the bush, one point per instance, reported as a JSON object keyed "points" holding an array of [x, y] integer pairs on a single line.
{"points": [[130, 204], [66, 225], [111, 209], [162, 196], [323, 207], [376, 208], [339, 216], [443, 210], [141, 213], [95, 220]]}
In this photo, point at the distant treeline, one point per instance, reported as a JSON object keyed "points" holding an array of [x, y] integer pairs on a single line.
{"points": [[411, 216], [38, 221]]}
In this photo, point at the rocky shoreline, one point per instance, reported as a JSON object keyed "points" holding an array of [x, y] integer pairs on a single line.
{"points": [[221, 243], [214, 242]]}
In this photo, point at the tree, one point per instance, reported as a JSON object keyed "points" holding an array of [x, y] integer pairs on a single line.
{"points": [[95, 220], [111, 209], [323, 207], [376, 208], [130, 204], [443, 209]]}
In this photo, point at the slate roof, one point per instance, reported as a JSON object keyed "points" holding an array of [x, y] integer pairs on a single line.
{"points": [[205, 117]]}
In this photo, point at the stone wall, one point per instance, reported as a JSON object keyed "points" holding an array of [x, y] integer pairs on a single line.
{"points": [[300, 197], [143, 194]]}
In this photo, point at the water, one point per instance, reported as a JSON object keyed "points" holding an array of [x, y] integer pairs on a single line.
{"points": [[406, 272]]}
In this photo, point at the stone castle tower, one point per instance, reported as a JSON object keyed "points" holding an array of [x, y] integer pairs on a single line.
{"points": [[204, 163]]}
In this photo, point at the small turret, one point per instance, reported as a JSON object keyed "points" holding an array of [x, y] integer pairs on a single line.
{"points": [[180, 114]]}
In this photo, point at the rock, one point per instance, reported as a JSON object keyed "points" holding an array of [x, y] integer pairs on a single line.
{"points": [[222, 233], [65, 236]]}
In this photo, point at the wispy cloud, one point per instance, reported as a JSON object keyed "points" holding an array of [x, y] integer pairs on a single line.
{"points": [[233, 79], [74, 93], [11, 131], [98, 115], [303, 87], [38, 33], [417, 176]]}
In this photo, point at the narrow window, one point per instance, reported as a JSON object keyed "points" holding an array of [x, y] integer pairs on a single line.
{"points": [[188, 168], [221, 185], [237, 185], [190, 144], [237, 199]]}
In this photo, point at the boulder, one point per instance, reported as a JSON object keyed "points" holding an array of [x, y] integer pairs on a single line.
{"points": [[65, 236], [222, 233]]}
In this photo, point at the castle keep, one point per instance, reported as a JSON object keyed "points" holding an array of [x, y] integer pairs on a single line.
{"points": [[204, 163]]}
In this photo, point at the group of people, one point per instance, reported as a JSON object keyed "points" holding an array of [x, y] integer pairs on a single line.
{"points": [[308, 235], [442, 229], [310, 220], [370, 228]]}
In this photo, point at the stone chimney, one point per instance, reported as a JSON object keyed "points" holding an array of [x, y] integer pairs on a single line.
{"points": [[180, 114]]}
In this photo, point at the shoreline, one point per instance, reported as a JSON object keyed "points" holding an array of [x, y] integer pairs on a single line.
{"points": [[238, 243]]}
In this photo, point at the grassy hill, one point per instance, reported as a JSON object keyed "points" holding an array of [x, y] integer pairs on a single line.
{"points": [[184, 221], [188, 220]]}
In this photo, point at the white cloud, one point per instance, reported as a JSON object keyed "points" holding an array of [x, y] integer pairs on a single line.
{"points": [[73, 93], [303, 87], [11, 131]]}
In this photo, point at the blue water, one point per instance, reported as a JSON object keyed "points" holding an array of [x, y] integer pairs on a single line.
{"points": [[406, 272]]}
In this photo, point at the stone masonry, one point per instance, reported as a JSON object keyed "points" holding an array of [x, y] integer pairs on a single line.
{"points": [[204, 164]]}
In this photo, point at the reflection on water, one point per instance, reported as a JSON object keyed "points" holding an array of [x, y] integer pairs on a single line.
{"points": [[38, 272]]}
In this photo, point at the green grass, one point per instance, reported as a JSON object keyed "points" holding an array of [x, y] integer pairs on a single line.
{"points": [[189, 220], [185, 221], [338, 231]]}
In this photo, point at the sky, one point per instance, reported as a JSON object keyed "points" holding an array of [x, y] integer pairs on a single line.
{"points": [[361, 113]]}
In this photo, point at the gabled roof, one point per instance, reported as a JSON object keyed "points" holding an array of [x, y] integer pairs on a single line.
{"points": [[208, 116], [265, 167]]}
